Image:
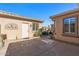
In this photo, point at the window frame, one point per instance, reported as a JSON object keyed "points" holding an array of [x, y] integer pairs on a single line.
{"points": [[36, 28], [76, 26]]}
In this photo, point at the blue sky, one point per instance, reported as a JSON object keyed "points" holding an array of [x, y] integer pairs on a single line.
{"points": [[38, 10]]}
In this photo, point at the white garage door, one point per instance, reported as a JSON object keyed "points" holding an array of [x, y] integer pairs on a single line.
{"points": [[24, 30]]}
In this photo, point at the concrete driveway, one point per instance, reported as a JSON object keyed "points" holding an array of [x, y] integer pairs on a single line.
{"points": [[42, 47]]}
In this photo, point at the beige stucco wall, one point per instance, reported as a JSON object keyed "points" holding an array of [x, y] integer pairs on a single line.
{"points": [[59, 28], [14, 34]]}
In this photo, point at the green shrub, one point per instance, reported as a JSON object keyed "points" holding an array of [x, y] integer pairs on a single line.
{"points": [[38, 33]]}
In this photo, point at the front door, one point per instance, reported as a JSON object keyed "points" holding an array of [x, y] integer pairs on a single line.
{"points": [[24, 30]]}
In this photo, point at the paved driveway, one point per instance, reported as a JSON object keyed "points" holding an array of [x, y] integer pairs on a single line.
{"points": [[42, 47]]}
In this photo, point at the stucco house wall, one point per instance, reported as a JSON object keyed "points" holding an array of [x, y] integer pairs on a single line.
{"points": [[59, 27], [17, 33]]}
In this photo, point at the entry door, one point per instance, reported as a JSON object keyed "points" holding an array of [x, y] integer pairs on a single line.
{"points": [[24, 30]]}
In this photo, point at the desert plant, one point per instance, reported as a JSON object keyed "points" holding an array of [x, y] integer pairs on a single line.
{"points": [[38, 32]]}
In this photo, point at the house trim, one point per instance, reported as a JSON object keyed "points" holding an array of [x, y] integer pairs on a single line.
{"points": [[20, 18]]}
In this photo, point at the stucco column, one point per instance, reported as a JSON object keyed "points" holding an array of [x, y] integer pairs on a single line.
{"points": [[78, 24]]}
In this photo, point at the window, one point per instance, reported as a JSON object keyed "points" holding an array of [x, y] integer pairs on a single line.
{"points": [[35, 26], [70, 25], [53, 26]]}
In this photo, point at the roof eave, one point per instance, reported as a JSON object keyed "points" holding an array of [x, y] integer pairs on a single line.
{"points": [[20, 18], [64, 13]]}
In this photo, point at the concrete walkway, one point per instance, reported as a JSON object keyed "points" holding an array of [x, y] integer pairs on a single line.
{"points": [[42, 47], [7, 42]]}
